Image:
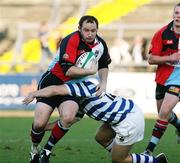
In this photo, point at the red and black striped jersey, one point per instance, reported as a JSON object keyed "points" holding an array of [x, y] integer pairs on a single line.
{"points": [[71, 47], [164, 43]]}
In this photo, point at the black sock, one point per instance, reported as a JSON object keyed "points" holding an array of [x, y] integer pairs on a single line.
{"points": [[36, 136]]}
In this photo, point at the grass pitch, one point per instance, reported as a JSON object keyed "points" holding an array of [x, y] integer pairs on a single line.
{"points": [[78, 146]]}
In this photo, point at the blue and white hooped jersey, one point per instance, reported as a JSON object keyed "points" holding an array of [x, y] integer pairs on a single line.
{"points": [[107, 108]]}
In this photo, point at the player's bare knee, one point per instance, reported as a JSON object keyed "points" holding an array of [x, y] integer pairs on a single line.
{"points": [[38, 126], [101, 140], [67, 120], [98, 138]]}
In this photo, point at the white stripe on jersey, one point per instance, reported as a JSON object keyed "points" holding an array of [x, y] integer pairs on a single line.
{"points": [[108, 108], [81, 88]]}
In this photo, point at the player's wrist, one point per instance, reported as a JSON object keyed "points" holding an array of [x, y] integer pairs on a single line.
{"points": [[170, 57], [34, 94]]}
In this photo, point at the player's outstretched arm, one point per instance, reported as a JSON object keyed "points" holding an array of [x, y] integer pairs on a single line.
{"points": [[46, 92]]}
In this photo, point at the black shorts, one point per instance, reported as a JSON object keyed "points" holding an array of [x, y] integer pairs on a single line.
{"points": [[50, 79], [174, 90], [161, 90]]}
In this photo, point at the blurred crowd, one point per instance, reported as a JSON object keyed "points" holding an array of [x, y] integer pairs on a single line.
{"points": [[124, 55], [130, 56], [33, 55]]}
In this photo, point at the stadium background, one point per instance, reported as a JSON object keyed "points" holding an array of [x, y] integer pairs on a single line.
{"points": [[20, 49], [20, 55]]}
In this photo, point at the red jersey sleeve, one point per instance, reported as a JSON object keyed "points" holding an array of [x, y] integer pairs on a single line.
{"points": [[71, 49], [156, 44]]}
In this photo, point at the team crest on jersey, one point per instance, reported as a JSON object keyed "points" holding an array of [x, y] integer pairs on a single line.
{"points": [[65, 56], [169, 42]]}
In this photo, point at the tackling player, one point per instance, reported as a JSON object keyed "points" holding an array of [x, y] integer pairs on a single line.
{"points": [[124, 118]]}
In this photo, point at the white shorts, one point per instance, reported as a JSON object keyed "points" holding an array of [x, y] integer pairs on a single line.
{"points": [[131, 129]]}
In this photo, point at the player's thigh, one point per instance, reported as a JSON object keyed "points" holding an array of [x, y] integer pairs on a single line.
{"points": [[68, 109], [42, 114], [120, 153], [158, 104], [168, 104], [160, 93], [104, 133]]}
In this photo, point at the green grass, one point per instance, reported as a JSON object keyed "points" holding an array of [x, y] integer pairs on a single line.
{"points": [[78, 146]]}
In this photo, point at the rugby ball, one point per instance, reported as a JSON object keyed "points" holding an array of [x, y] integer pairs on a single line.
{"points": [[85, 60]]}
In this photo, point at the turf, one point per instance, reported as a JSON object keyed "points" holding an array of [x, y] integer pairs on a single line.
{"points": [[78, 146]]}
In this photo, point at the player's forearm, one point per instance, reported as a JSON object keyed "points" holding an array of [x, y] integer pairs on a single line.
{"points": [[51, 91], [103, 75], [76, 72], [158, 59], [46, 92]]}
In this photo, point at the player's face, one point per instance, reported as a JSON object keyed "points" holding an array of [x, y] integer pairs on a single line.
{"points": [[88, 31], [176, 16]]}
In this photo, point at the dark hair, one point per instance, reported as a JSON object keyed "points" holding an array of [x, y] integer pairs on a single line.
{"points": [[88, 19]]}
